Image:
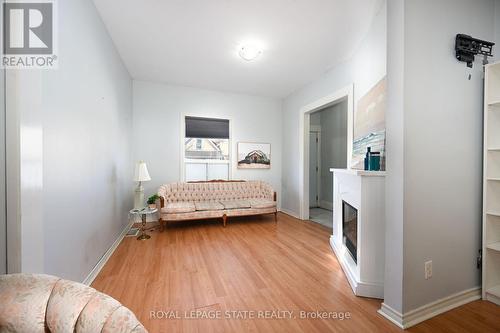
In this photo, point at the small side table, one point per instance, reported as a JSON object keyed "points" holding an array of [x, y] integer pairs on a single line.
{"points": [[144, 212]]}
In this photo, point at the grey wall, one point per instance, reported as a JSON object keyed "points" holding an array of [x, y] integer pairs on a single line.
{"points": [[316, 118], [496, 48], [87, 161], [434, 144], [158, 111], [366, 67], [443, 149], [70, 165]]}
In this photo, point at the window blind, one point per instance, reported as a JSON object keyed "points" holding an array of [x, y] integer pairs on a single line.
{"points": [[207, 128]]}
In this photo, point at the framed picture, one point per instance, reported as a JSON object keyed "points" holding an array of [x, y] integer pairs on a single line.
{"points": [[253, 155], [369, 125]]}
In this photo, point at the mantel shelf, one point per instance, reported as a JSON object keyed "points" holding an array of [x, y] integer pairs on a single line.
{"points": [[494, 246]]}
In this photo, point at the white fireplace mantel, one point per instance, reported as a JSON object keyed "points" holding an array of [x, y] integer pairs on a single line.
{"points": [[365, 191]]}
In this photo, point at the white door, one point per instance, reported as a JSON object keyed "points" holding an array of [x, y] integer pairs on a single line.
{"points": [[313, 169]]}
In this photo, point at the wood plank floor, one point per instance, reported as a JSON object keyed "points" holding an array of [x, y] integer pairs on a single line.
{"points": [[253, 265]]}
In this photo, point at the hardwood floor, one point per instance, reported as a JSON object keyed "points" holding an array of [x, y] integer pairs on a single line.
{"points": [[253, 265]]}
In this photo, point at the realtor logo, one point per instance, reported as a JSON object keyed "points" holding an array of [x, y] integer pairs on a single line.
{"points": [[28, 34]]}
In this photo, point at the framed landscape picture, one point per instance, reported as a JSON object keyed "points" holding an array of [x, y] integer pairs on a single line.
{"points": [[252, 155], [369, 125]]}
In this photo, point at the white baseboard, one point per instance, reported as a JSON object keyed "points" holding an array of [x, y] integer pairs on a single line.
{"points": [[392, 315], [492, 298], [104, 259], [326, 205], [430, 310], [289, 212]]}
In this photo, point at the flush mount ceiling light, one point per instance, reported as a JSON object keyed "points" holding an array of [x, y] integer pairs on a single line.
{"points": [[250, 52]]}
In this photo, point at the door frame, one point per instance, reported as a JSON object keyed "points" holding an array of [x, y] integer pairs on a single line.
{"points": [[317, 129], [344, 94]]}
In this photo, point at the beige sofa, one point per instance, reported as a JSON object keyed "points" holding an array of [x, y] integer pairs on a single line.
{"points": [[215, 199], [42, 303]]}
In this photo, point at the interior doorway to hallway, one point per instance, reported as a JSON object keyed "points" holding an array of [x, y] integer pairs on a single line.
{"points": [[327, 143], [328, 140]]}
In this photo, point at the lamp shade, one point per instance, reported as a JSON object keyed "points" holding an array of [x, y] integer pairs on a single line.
{"points": [[141, 172]]}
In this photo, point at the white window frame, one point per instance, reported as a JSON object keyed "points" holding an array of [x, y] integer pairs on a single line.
{"points": [[183, 160]]}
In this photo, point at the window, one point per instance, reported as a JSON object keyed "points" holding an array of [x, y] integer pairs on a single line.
{"points": [[206, 149]]}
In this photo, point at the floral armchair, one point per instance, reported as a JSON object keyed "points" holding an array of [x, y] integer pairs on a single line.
{"points": [[42, 303]]}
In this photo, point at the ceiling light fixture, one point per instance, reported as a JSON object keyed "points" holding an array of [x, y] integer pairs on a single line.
{"points": [[250, 52]]}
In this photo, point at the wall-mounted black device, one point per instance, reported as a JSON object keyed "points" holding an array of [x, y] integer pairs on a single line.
{"points": [[467, 47]]}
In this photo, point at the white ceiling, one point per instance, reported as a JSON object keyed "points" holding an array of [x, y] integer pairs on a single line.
{"points": [[195, 42]]}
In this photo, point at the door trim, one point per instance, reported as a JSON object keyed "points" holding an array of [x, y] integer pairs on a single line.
{"points": [[317, 129]]}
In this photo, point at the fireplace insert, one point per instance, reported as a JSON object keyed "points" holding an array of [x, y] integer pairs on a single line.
{"points": [[350, 229]]}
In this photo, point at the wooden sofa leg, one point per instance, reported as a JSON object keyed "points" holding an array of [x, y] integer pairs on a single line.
{"points": [[276, 217], [224, 220]]}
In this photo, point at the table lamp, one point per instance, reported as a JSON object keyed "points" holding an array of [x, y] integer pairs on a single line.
{"points": [[141, 175]]}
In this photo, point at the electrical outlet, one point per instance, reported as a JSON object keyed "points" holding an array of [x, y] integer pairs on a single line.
{"points": [[428, 269]]}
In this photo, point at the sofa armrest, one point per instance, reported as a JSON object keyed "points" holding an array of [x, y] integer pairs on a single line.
{"points": [[162, 193]]}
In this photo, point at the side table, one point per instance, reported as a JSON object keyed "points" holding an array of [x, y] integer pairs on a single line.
{"points": [[143, 213]]}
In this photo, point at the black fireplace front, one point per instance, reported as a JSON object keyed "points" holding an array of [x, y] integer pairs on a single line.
{"points": [[350, 229]]}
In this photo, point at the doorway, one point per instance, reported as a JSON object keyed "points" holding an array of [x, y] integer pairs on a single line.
{"points": [[327, 150], [308, 132]]}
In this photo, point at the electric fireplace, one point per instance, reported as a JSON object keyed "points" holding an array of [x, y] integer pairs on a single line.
{"points": [[350, 229]]}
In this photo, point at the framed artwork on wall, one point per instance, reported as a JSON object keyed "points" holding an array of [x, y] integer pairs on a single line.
{"points": [[254, 155], [369, 125]]}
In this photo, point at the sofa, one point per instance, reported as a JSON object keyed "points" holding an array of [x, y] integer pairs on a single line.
{"points": [[37, 303], [215, 199]]}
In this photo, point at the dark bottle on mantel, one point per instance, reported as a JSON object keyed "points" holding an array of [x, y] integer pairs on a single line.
{"points": [[368, 157]]}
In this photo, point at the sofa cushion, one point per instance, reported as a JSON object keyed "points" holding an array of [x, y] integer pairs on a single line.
{"points": [[236, 204], [95, 314], [179, 207], [262, 203], [208, 205], [65, 305]]}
